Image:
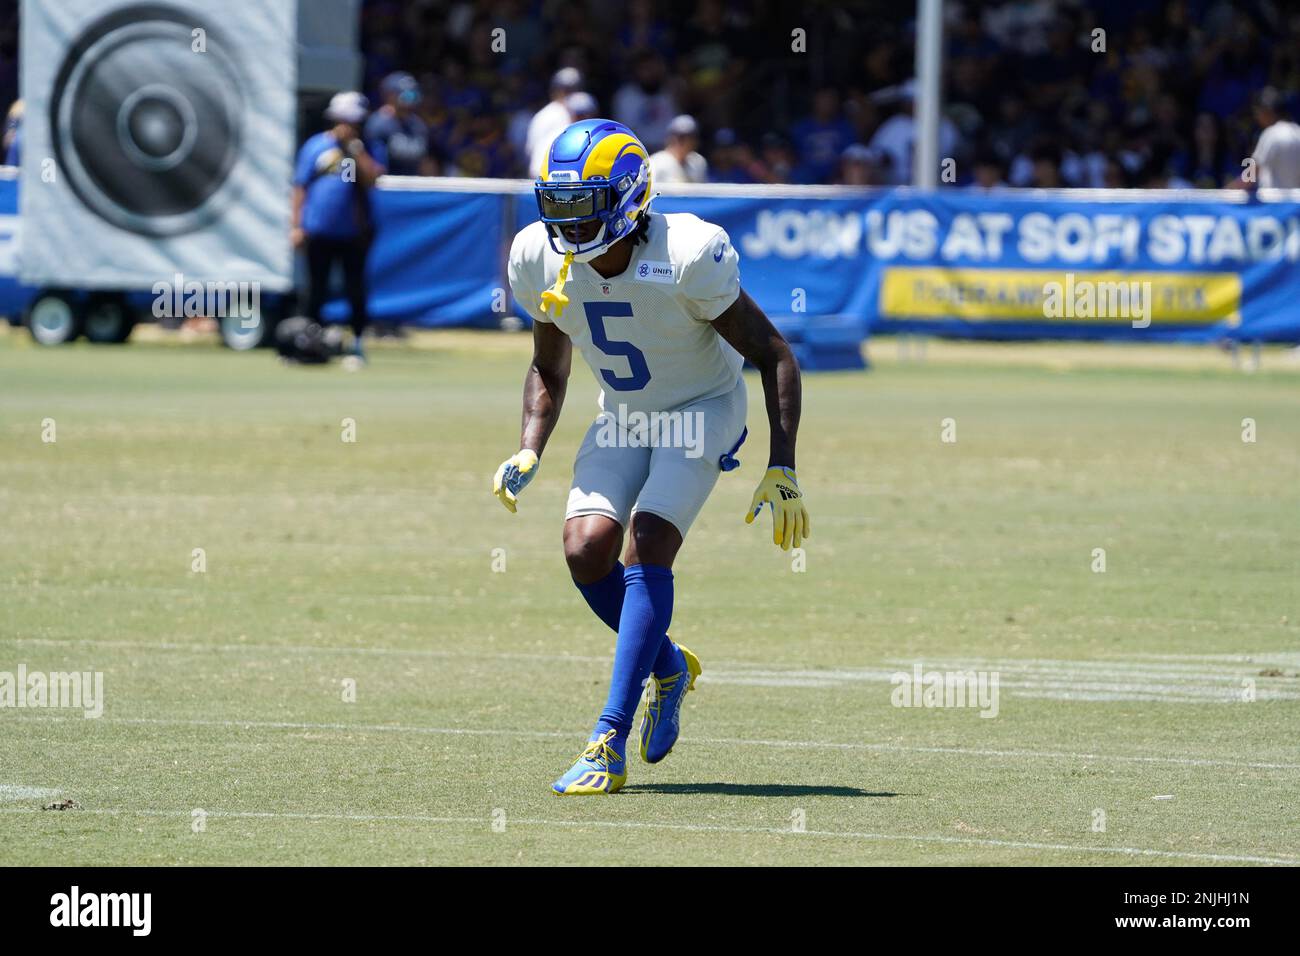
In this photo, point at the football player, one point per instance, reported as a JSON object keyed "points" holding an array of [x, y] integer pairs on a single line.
{"points": [[655, 305]]}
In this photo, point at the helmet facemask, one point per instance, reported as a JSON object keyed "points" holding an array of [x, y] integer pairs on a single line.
{"points": [[614, 206]]}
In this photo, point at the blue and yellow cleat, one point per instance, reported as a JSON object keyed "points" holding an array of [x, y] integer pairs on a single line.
{"points": [[661, 720], [599, 769]]}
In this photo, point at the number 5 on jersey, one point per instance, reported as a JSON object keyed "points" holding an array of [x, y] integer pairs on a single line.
{"points": [[638, 372]]}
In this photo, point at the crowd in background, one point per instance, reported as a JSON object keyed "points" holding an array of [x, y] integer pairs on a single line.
{"points": [[1033, 96], [1100, 93]]}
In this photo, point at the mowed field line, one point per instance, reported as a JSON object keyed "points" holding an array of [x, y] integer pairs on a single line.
{"points": [[1088, 681], [709, 741], [850, 835], [1194, 666]]}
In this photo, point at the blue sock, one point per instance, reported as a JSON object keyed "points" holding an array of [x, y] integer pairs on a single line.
{"points": [[642, 627], [605, 598]]}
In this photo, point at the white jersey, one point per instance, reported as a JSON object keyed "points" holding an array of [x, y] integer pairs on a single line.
{"points": [[646, 333], [665, 168], [1278, 156]]}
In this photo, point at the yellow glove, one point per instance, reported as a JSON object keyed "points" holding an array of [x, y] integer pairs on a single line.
{"points": [[780, 489], [513, 476]]}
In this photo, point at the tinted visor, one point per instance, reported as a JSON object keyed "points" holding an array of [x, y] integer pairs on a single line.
{"points": [[571, 203]]}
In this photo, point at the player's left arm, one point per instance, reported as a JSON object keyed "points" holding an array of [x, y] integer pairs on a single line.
{"points": [[751, 333]]}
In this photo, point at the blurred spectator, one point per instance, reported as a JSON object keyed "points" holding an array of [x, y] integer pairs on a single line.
{"points": [[678, 162], [1277, 154], [331, 207], [896, 136], [1205, 163], [1046, 166], [581, 106], [645, 103], [777, 159], [713, 63], [395, 134], [642, 30], [862, 166], [821, 138], [13, 135], [550, 120], [988, 170], [733, 161]]}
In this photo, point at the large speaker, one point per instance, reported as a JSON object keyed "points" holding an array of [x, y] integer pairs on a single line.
{"points": [[158, 139]]}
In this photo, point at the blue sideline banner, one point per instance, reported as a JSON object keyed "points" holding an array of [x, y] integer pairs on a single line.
{"points": [[1008, 264], [437, 257], [12, 294], [1012, 264], [1015, 263]]}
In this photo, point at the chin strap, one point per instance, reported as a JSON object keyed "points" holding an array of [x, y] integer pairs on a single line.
{"points": [[554, 296]]}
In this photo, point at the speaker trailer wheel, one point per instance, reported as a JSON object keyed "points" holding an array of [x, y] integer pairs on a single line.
{"points": [[107, 320], [54, 317]]}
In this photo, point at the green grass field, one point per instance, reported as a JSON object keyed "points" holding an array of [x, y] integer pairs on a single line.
{"points": [[1122, 735]]}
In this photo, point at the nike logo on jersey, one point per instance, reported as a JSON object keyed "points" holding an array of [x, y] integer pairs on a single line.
{"points": [[717, 256]]}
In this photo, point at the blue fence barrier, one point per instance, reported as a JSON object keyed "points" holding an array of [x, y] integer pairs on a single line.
{"points": [[832, 264]]}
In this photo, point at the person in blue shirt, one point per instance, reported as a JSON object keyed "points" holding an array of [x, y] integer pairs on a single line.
{"points": [[821, 138], [396, 130], [331, 207], [13, 135]]}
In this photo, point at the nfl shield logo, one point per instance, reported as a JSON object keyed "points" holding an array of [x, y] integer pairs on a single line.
{"points": [[604, 288]]}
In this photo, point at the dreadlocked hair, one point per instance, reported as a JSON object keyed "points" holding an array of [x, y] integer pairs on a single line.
{"points": [[641, 233]]}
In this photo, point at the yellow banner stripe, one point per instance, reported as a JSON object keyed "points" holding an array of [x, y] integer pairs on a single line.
{"points": [[1050, 295]]}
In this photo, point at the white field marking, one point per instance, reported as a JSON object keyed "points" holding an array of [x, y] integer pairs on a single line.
{"points": [[1209, 668], [1045, 680], [1107, 680], [196, 648], [1030, 674], [698, 828], [770, 680], [723, 671], [108, 588], [1112, 680], [1284, 658], [716, 741], [745, 669], [15, 791], [1127, 694]]}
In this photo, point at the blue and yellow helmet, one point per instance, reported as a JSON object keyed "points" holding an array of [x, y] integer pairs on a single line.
{"points": [[596, 170]]}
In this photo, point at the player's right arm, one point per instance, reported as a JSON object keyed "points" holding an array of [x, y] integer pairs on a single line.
{"points": [[544, 384], [544, 387]]}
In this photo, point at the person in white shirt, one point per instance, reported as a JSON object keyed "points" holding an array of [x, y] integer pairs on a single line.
{"points": [[678, 162], [581, 106], [551, 119], [1277, 154], [896, 136]]}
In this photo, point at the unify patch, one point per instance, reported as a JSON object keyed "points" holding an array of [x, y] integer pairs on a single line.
{"points": [[654, 271]]}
